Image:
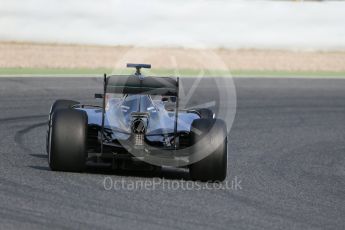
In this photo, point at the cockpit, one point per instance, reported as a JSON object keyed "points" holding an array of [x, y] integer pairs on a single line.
{"points": [[137, 103]]}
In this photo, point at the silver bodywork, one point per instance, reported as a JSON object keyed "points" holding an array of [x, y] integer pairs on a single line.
{"points": [[161, 118]]}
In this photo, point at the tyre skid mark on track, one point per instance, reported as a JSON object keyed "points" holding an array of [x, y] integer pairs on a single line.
{"points": [[11, 119], [18, 137]]}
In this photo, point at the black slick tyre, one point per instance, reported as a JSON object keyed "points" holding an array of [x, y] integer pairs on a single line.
{"points": [[67, 147], [205, 113], [209, 134], [57, 105]]}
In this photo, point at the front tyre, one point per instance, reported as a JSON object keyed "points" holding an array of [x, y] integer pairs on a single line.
{"points": [[67, 149], [209, 134]]}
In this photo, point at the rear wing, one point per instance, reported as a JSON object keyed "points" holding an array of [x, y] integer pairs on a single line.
{"points": [[133, 84]]}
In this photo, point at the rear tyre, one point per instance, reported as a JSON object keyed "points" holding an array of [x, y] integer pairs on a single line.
{"points": [[205, 113], [62, 104], [209, 134], [58, 105], [67, 149]]}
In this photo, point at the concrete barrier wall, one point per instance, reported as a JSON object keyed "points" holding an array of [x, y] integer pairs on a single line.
{"points": [[183, 23]]}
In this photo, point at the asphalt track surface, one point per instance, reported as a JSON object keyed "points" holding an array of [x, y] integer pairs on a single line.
{"points": [[286, 149]]}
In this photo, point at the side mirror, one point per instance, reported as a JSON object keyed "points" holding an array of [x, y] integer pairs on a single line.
{"points": [[98, 95]]}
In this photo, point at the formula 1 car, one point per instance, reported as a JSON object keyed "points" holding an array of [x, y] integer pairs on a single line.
{"points": [[134, 130]]}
